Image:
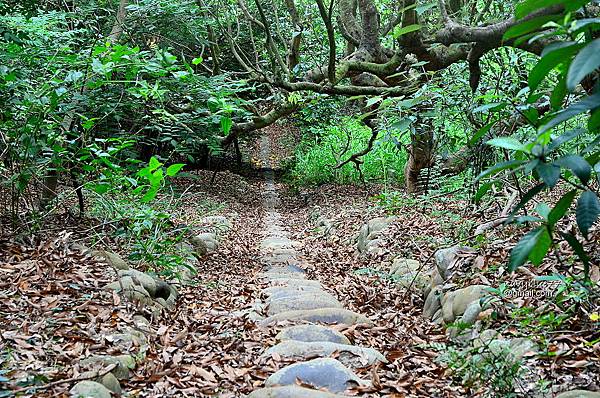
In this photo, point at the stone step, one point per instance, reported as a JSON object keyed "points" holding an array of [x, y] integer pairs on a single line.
{"points": [[302, 301], [275, 292], [298, 293], [279, 258], [286, 268], [321, 315], [276, 242], [312, 333], [349, 355], [292, 282], [271, 275], [291, 392], [326, 373]]}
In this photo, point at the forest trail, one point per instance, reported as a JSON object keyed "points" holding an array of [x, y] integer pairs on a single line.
{"points": [[285, 305], [290, 297], [300, 199]]}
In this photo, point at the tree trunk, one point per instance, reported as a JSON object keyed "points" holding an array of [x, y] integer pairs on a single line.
{"points": [[420, 157]]}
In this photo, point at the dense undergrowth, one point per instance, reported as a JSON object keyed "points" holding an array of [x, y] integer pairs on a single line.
{"points": [[323, 148]]}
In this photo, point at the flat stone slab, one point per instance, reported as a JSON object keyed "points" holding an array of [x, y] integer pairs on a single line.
{"points": [[321, 315], [277, 274], [325, 373], [349, 355], [302, 301], [89, 389], [312, 333], [291, 282], [286, 268], [278, 259], [291, 392], [276, 242], [275, 292]]}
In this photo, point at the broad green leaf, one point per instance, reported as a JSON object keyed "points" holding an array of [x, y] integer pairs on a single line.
{"points": [[154, 164], [425, 7], [561, 207], [197, 61], [402, 125], [494, 107], [543, 210], [594, 120], [578, 165], [586, 62], [101, 188], [565, 137], [542, 245], [156, 178], [559, 93], [174, 169], [483, 189], [532, 164], [480, 133], [498, 167], [373, 101], [550, 61], [521, 251], [578, 248], [591, 146], [400, 31], [529, 6], [591, 102], [585, 24], [529, 26], [507, 143], [588, 209], [226, 124], [150, 195], [549, 173]]}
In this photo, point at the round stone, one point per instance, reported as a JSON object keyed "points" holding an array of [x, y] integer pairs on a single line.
{"points": [[326, 373], [311, 333], [89, 389], [349, 355]]}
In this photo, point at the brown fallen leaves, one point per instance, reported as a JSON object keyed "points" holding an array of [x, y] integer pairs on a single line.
{"points": [[55, 313]]}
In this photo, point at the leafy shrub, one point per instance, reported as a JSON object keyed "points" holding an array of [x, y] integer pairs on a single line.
{"points": [[547, 154], [143, 224], [495, 370]]}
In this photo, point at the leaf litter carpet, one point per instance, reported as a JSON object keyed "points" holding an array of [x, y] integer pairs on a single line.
{"points": [[55, 313]]}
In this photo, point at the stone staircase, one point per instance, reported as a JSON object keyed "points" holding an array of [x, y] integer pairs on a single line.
{"points": [[309, 342]]}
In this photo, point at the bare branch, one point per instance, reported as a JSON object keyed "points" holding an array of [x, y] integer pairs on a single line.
{"points": [[326, 17], [271, 47], [249, 16]]}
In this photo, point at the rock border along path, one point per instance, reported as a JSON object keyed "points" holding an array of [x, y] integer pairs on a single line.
{"points": [[290, 297]]}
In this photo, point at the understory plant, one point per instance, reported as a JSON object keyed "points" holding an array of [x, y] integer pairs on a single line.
{"points": [[139, 207], [557, 149], [493, 370], [324, 148]]}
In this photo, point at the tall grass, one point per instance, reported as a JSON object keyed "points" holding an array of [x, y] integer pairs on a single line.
{"points": [[322, 148]]}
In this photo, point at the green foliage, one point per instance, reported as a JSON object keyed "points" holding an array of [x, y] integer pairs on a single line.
{"points": [[66, 95], [144, 225], [492, 368], [548, 154], [322, 149]]}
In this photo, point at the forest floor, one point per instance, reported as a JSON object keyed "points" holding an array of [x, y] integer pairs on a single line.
{"points": [[55, 311]]}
